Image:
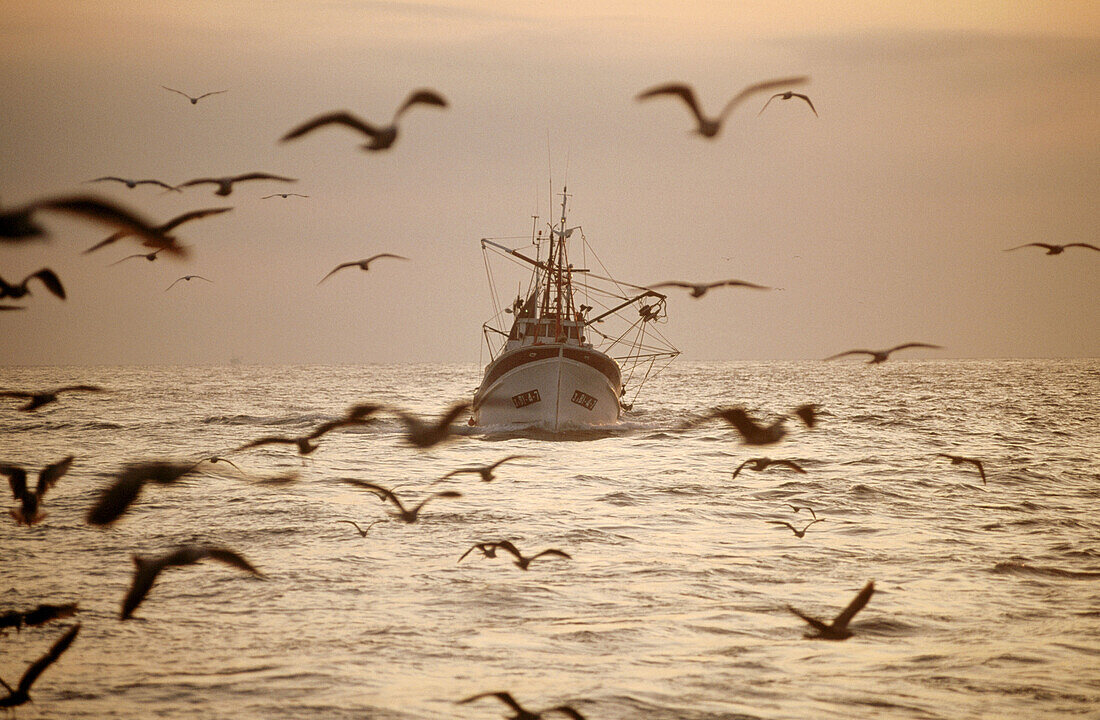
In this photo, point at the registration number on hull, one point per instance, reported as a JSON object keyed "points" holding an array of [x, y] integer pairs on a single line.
{"points": [[526, 398], [583, 399]]}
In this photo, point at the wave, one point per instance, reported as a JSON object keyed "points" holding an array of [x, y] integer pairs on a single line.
{"points": [[1020, 568]]}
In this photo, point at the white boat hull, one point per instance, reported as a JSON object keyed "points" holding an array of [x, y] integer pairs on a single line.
{"points": [[552, 386]]}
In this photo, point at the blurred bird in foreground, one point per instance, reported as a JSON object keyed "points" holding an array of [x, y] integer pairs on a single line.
{"points": [[522, 713], [36, 399], [880, 356], [838, 628], [147, 569], [361, 264], [29, 502], [45, 275], [706, 126], [959, 459], [21, 693], [381, 137]]}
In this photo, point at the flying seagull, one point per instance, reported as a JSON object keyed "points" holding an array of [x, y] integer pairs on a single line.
{"points": [[402, 514], [195, 100], [763, 463], [488, 549], [188, 278], [787, 96], [37, 399], [752, 432], [134, 183], [21, 694], [17, 224], [157, 237], [522, 562], [284, 196], [361, 264], [796, 508], [838, 628], [356, 415], [148, 256], [29, 502], [959, 459], [225, 184], [709, 127], [117, 498], [1054, 249], [45, 275], [147, 569], [797, 533], [425, 435], [698, 291], [521, 712], [362, 532], [879, 356], [380, 137], [486, 471]]}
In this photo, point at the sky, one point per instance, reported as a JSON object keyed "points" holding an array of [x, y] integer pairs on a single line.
{"points": [[948, 132]]}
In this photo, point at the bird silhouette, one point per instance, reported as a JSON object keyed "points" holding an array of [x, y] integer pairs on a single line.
{"points": [[29, 502], [698, 291], [18, 224], [134, 183], [21, 693], [763, 463], [362, 532], [521, 712], [710, 127], [361, 264], [162, 239], [147, 569], [36, 399], [879, 356], [486, 471], [521, 561], [403, 514], [959, 459], [787, 96], [424, 435], [225, 184], [117, 498], [488, 549], [39, 615], [381, 138], [148, 256], [45, 275], [188, 278], [838, 628], [796, 508], [357, 415], [195, 100], [1054, 249], [283, 196], [752, 432], [797, 533]]}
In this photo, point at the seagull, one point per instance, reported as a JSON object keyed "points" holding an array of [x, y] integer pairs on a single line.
{"points": [[959, 459], [521, 712], [146, 570], [21, 694], [763, 463], [409, 516], [1054, 249], [796, 508], [698, 291], [361, 264], [18, 223], [362, 532], [709, 127], [838, 628], [45, 275], [284, 196], [357, 415], [787, 96], [195, 100], [134, 183], [117, 498], [148, 256], [755, 434], [188, 278], [40, 615], [424, 435], [879, 356], [45, 397], [797, 533], [380, 137], [486, 471], [27, 513], [225, 184], [156, 237], [521, 561], [488, 549]]}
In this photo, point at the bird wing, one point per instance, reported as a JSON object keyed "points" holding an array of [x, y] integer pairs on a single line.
{"points": [[913, 345], [740, 468], [117, 497], [671, 283], [128, 257], [146, 571], [109, 177], [270, 440], [475, 546], [758, 87], [49, 475], [189, 216], [230, 557], [262, 176], [372, 258], [1084, 245], [38, 666], [164, 185], [173, 284], [773, 97], [791, 464], [106, 213], [212, 92], [79, 388], [684, 92], [341, 266], [376, 489], [16, 394], [1035, 244], [424, 97], [179, 91], [737, 283], [565, 710], [846, 615], [443, 494], [807, 99], [341, 117], [817, 624], [507, 545], [981, 468], [815, 520], [851, 352], [106, 241], [553, 551], [500, 462], [200, 181], [781, 522], [504, 697], [17, 480]]}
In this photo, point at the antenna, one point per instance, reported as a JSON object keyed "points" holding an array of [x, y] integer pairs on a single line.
{"points": [[549, 171]]}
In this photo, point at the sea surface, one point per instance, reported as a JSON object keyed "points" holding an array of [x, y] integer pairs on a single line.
{"points": [[674, 604]]}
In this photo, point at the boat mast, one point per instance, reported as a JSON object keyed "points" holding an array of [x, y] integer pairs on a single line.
{"points": [[560, 305]]}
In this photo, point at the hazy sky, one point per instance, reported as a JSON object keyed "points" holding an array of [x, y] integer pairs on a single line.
{"points": [[947, 132]]}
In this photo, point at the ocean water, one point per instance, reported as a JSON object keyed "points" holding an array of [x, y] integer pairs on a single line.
{"points": [[674, 604]]}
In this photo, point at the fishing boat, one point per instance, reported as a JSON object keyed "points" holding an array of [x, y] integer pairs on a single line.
{"points": [[579, 345]]}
